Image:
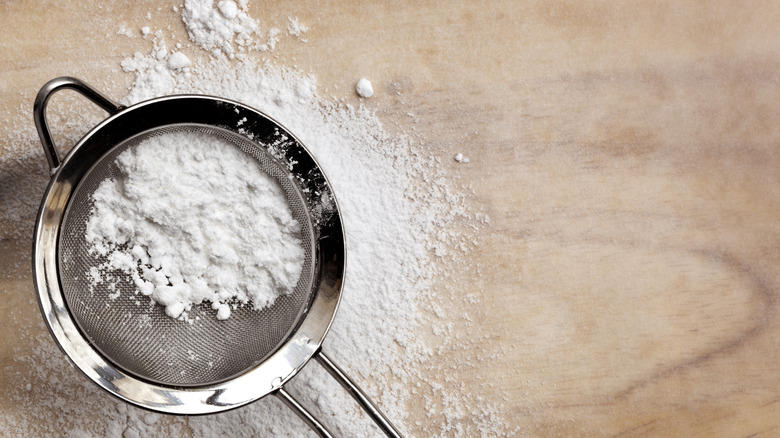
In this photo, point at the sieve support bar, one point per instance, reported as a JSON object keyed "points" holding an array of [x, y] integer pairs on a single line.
{"points": [[42, 100], [305, 415], [337, 373]]}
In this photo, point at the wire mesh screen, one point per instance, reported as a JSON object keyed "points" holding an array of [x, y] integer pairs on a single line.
{"points": [[138, 336]]}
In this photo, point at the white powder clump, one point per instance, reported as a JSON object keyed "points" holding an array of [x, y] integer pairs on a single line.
{"points": [[295, 27], [364, 88], [228, 8], [178, 60], [124, 31], [396, 213], [460, 158], [218, 28], [271, 41], [156, 71], [191, 219]]}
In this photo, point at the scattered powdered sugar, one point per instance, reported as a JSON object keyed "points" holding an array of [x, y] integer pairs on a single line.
{"points": [[460, 158], [124, 31], [192, 219], [159, 69], [400, 218], [364, 88], [295, 27], [271, 41]]}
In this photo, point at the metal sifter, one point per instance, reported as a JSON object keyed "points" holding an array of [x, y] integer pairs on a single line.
{"points": [[136, 352]]}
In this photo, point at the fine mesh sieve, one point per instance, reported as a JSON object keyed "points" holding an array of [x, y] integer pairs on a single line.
{"points": [[141, 338], [131, 348]]}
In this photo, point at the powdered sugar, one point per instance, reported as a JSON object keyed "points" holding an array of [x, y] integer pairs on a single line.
{"points": [[158, 70], [192, 218], [228, 8], [218, 28], [364, 88], [178, 60], [460, 158], [295, 27]]}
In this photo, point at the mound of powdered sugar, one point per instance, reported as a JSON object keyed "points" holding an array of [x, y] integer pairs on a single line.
{"points": [[192, 218]]}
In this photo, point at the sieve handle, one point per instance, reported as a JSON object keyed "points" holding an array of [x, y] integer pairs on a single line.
{"points": [[356, 393], [41, 101], [337, 373], [302, 412]]}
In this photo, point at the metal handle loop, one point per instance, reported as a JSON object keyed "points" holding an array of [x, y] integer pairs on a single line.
{"points": [[338, 374], [39, 110]]}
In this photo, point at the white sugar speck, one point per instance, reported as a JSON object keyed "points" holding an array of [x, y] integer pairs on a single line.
{"points": [[364, 88], [460, 158]]}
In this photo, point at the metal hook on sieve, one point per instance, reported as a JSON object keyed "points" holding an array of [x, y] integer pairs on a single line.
{"points": [[42, 100]]}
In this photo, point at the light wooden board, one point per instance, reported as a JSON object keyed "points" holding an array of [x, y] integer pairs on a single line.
{"points": [[626, 153]]}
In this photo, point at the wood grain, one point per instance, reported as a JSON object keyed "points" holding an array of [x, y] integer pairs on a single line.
{"points": [[626, 153]]}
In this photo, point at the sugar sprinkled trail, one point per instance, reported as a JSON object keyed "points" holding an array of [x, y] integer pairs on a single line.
{"points": [[398, 214]]}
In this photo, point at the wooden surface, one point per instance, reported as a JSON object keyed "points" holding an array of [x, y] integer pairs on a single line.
{"points": [[627, 154]]}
